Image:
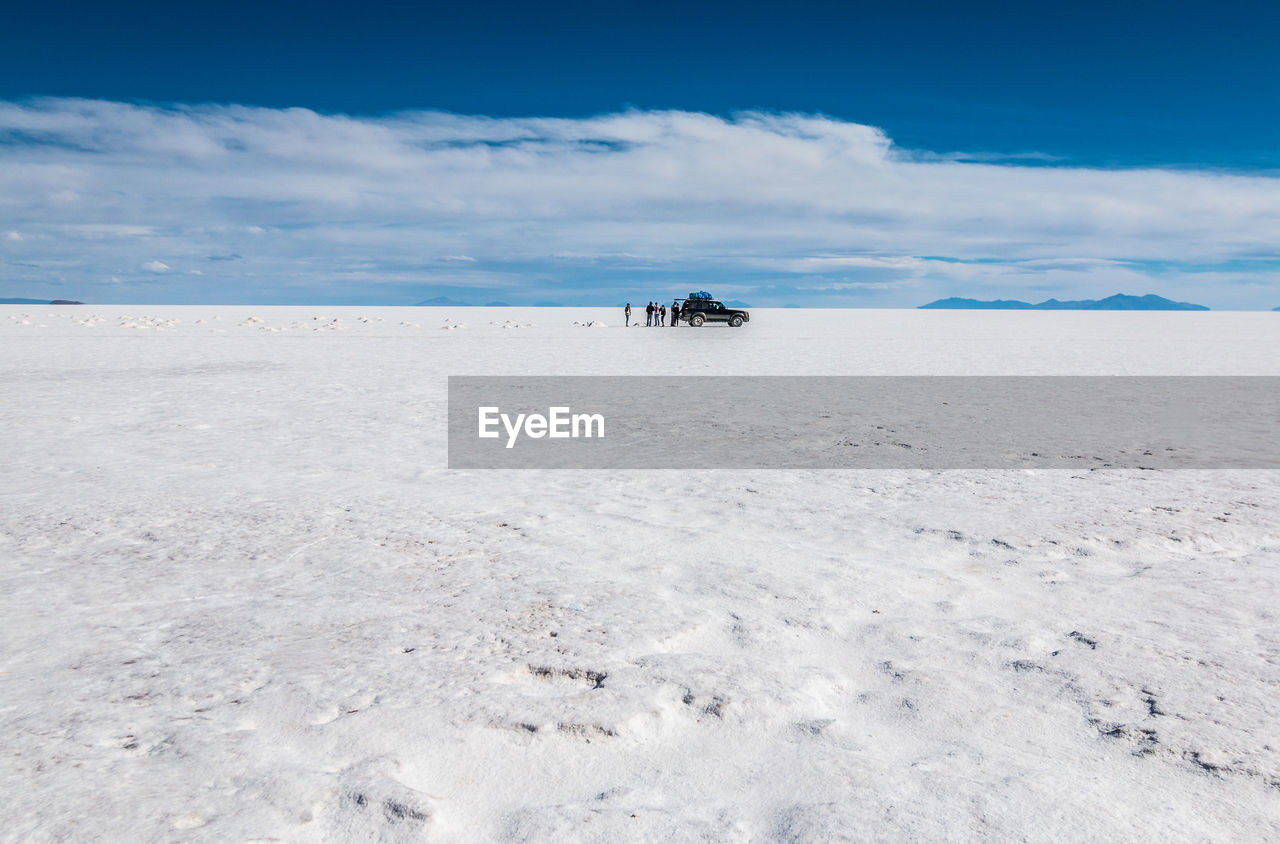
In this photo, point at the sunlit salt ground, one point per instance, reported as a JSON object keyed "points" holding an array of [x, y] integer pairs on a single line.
{"points": [[243, 598]]}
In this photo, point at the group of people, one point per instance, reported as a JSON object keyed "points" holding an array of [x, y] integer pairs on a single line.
{"points": [[655, 314]]}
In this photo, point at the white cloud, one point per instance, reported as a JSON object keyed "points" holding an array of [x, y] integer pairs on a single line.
{"points": [[155, 267], [773, 197], [12, 236]]}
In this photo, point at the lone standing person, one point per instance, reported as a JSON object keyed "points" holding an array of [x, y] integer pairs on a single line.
{"points": [[675, 313], [627, 313]]}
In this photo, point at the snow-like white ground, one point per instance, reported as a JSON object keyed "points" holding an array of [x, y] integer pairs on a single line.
{"points": [[243, 598]]}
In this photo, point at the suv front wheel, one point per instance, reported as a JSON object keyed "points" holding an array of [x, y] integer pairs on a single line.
{"points": [[696, 320], [736, 320]]}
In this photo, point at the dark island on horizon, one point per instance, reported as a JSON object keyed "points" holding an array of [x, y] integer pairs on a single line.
{"points": [[21, 301], [1118, 302]]}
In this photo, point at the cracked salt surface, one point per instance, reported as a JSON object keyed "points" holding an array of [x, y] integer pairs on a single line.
{"points": [[243, 600]]}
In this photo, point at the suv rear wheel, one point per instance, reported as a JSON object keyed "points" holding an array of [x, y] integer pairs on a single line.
{"points": [[696, 320], [735, 320]]}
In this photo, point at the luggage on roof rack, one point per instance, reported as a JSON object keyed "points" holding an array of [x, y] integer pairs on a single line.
{"points": [[701, 294]]}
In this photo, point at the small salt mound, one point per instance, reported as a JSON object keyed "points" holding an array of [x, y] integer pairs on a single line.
{"points": [[145, 322], [595, 323], [140, 322]]}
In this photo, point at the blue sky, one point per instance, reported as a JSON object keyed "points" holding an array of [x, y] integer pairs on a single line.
{"points": [[824, 154]]}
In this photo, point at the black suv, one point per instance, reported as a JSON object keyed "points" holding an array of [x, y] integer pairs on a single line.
{"points": [[698, 311]]}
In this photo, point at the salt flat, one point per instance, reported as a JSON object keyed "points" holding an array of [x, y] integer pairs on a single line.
{"points": [[243, 598]]}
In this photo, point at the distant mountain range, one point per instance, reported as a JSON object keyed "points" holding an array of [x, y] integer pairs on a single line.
{"points": [[441, 302], [19, 301], [446, 302], [1118, 302]]}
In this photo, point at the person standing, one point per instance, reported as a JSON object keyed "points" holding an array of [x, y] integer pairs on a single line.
{"points": [[626, 312], [648, 315], [675, 312], [662, 316]]}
